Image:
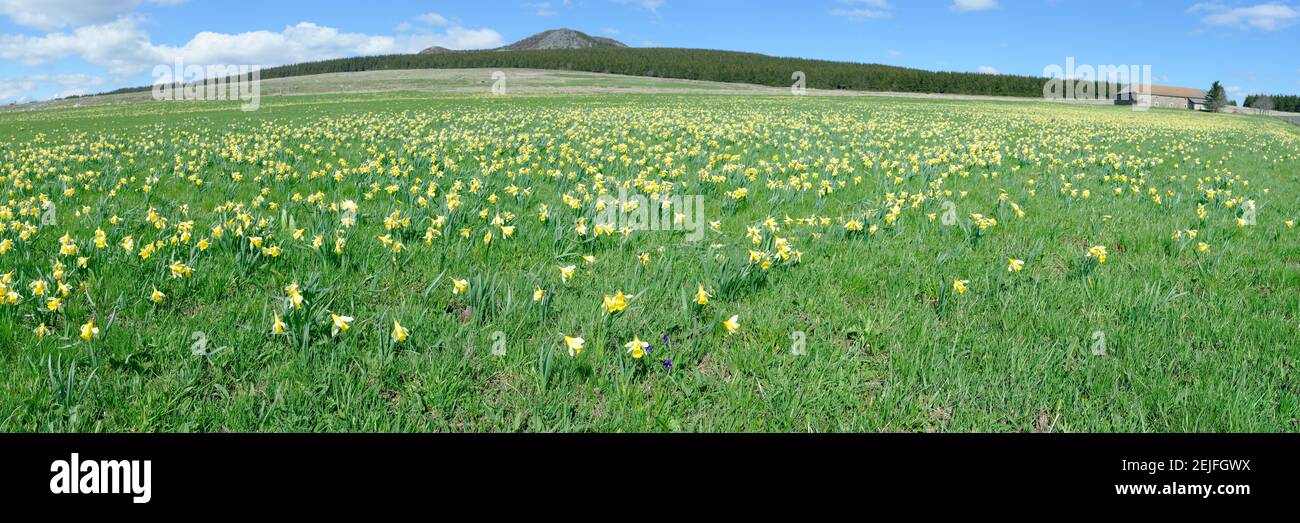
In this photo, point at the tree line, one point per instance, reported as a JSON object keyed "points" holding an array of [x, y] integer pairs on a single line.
{"points": [[688, 64], [1281, 102]]}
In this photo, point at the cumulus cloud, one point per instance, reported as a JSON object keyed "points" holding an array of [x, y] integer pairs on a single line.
{"points": [[109, 36], [49, 15], [433, 19], [20, 89], [119, 46], [859, 10], [123, 48], [989, 70], [974, 5], [15, 89], [1265, 17]]}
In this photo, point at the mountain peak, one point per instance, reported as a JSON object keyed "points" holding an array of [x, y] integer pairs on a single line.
{"points": [[563, 38]]}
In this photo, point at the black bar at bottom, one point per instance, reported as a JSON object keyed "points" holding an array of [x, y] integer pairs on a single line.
{"points": [[230, 471]]}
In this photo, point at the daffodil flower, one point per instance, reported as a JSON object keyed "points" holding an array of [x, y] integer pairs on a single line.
{"points": [[89, 331], [615, 303], [341, 323], [702, 296], [636, 348], [574, 344], [400, 334], [1099, 252], [732, 324]]}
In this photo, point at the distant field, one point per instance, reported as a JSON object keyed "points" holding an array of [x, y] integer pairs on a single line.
{"points": [[417, 261], [464, 81], [472, 81]]}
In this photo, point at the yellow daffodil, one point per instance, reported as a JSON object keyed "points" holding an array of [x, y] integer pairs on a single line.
{"points": [[615, 303], [732, 324], [1099, 252], [180, 270], [89, 331], [340, 323], [637, 348], [294, 296], [574, 344], [400, 334]]}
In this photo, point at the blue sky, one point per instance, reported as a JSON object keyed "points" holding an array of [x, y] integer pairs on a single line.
{"points": [[51, 48]]}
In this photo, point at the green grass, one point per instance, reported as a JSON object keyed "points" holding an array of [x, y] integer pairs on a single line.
{"points": [[1194, 341]]}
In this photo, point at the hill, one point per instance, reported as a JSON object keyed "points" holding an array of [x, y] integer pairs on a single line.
{"points": [[549, 40], [562, 39], [690, 64]]}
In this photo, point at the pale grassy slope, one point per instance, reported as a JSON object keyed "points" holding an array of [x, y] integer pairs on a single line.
{"points": [[518, 81]]}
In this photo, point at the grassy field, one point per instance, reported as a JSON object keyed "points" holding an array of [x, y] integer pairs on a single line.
{"points": [[1156, 290], [444, 81]]}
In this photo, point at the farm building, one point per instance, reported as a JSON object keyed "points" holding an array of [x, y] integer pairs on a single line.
{"points": [[1164, 97]]}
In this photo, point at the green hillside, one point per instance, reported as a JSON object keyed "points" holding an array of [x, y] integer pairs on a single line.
{"points": [[690, 64]]}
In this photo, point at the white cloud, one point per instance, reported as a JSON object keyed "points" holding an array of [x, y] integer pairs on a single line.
{"points": [[988, 70], [1265, 17], [974, 5], [20, 89], [124, 49], [49, 15], [649, 5], [859, 10], [119, 46], [893, 53], [542, 8], [1236, 91], [433, 19], [16, 89]]}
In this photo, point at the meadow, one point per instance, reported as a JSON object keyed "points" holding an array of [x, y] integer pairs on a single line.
{"points": [[424, 262]]}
